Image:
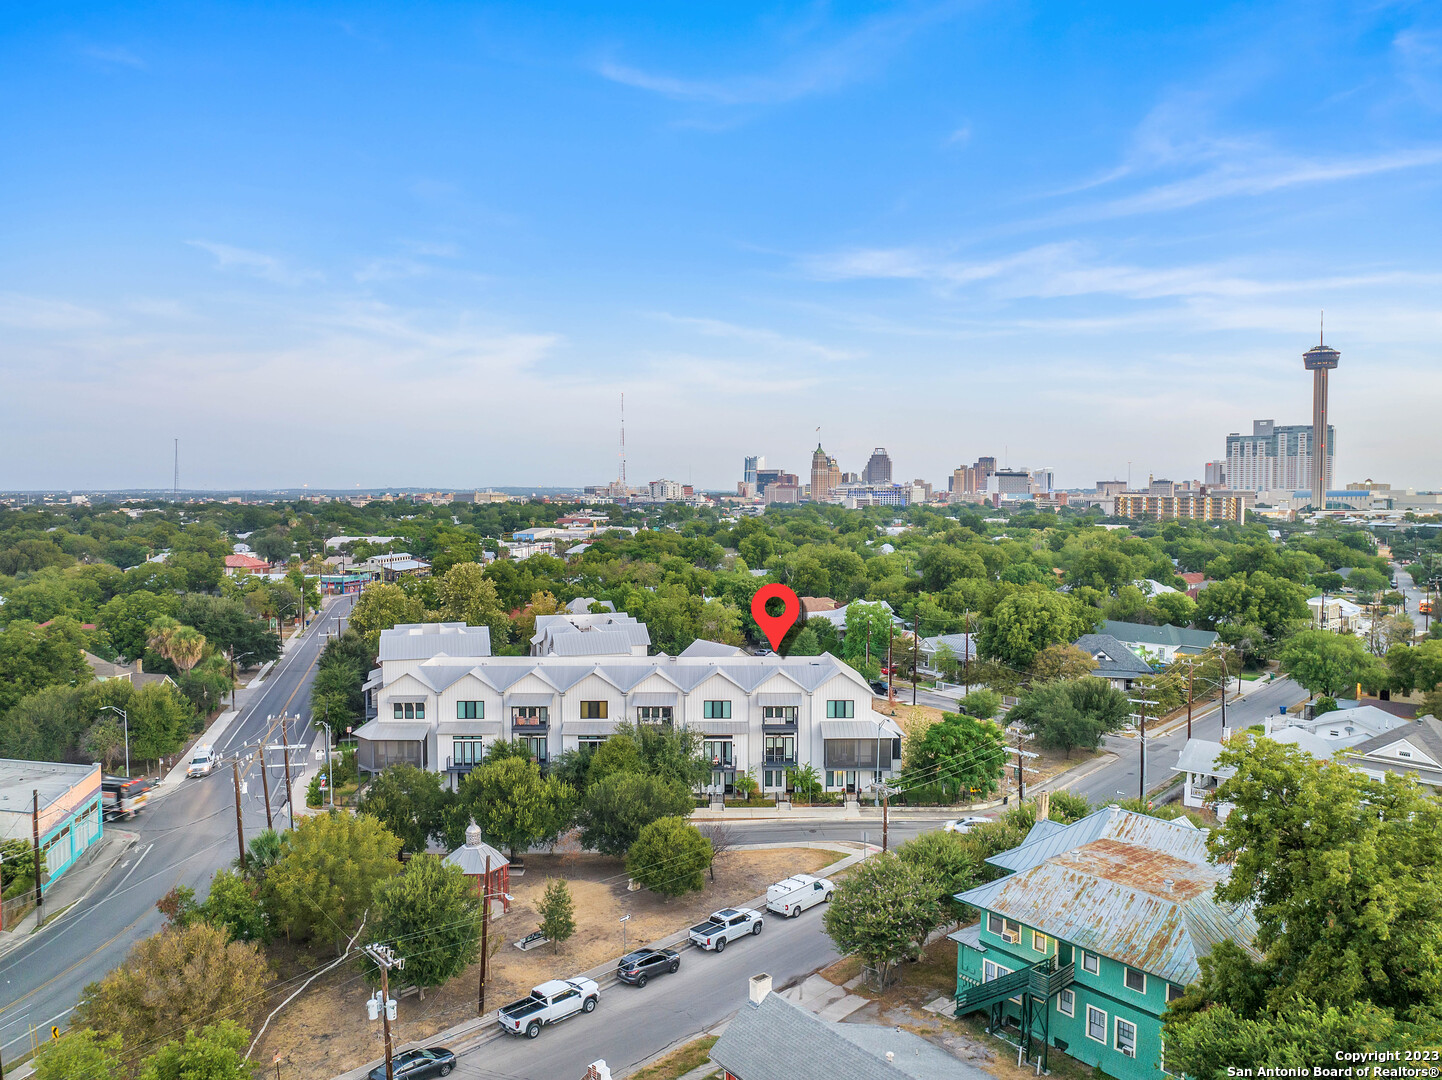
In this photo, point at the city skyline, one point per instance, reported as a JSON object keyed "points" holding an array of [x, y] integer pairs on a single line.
{"points": [[944, 229]]}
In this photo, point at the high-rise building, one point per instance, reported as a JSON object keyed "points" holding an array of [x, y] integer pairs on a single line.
{"points": [[1009, 482], [1197, 507], [1275, 457], [753, 465], [1216, 474], [878, 468], [1319, 360], [1043, 480], [825, 475], [1111, 487]]}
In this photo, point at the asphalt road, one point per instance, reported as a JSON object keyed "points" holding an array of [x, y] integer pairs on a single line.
{"points": [[1120, 776], [185, 835], [630, 1025]]}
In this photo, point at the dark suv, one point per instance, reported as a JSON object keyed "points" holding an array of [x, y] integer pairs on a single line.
{"points": [[418, 1064], [635, 968]]}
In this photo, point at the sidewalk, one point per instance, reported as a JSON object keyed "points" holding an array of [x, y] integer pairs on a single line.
{"points": [[73, 886], [469, 1034]]}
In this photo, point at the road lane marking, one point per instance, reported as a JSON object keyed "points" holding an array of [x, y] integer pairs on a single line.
{"points": [[60, 975], [134, 868]]}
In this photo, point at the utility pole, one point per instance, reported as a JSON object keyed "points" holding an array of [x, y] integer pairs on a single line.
{"points": [[385, 959], [485, 928], [239, 828], [265, 780], [915, 651], [289, 802], [885, 815], [890, 671], [1020, 779], [868, 644], [39, 870]]}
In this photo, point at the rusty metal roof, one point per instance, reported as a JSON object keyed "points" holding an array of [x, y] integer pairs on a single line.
{"points": [[1179, 837], [1141, 894]]}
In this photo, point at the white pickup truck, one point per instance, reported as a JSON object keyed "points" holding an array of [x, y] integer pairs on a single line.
{"points": [[794, 895], [549, 1003], [724, 925]]}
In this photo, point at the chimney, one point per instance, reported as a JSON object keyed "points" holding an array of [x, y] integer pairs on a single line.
{"points": [[138, 668], [1043, 806], [1167, 884], [760, 987]]}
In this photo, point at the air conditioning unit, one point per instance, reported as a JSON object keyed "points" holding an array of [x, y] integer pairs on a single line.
{"points": [[1009, 937]]}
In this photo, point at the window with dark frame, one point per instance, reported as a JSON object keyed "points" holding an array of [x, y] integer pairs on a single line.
{"points": [[470, 710], [716, 710], [840, 710], [593, 710], [1136, 980]]}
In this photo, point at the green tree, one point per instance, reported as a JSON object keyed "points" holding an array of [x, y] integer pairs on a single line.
{"points": [[1344, 875], [178, 979], [233, 903], [670, 857], [866, 624], [805, 781], [433, 914], [514, 805], [557, 912], [1324, 662], [215, 1052], [34, 657], [1029, 620], [982, 704], [1258, 598], [882, 912], [952, 863], [957, 755], [182, 645], [619, 806], [411, 803], [466, 595], [329, 867], [159, 718], [1071, 715], [128, 618], [1062, 662], [44, 726], [380, 607], [80, 1053]]}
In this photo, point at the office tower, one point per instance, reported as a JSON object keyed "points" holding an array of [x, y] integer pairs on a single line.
{"points": [[825, 475], [878, 469], [1319, 360], [1216, 474], [1043, 480], [753, 465]]}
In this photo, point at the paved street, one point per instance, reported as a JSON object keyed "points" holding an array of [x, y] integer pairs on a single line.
{"points": [[633, 1025], [185, 835], [1119, 776]]}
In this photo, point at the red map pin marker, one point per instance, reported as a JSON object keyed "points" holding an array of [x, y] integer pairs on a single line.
{"points": [[775, 626]]}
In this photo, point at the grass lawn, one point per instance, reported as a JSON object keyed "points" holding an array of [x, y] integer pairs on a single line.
{"points": [[679, 1061]]}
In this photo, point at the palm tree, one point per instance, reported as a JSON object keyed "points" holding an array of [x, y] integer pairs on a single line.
{"points": [[182, 645]]}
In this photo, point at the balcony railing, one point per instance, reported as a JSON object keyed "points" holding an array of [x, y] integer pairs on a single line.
{"points": [[454, 766], [529, 725]]}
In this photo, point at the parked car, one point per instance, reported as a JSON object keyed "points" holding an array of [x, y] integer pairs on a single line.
{"points": [[794, 895], [636, 967], [724, 925], [202, 760], [418, 1064], [964, 824], [549, 1003], [877, 686]]}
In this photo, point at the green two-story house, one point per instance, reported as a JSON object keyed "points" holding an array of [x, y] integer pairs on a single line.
{"points": [[1095, 927]]}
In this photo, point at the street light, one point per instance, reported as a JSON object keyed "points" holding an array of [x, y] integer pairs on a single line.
{"points": [[125, 720]]}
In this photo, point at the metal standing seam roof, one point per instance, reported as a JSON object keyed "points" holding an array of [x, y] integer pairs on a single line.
{"points": [[860, 729], [394, 730], [702, 647], [591, 643], [423, 641], [1124, 886], [1200, 756]]}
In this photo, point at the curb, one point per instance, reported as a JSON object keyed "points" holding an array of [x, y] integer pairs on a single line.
{"points": [[15, 938], [470, 1034]]}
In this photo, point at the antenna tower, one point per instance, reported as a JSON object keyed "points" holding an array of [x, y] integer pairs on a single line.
{"points": [[623, 443], [175, 494]]}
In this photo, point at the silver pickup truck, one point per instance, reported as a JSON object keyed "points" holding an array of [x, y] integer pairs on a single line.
{"points": [[549, 1003], [724, 925]]}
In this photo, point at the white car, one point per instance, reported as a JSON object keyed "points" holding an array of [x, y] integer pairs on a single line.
{"points": [[549, 1003], [791, 897], [202, 760], [964, 824], [723, 925]]}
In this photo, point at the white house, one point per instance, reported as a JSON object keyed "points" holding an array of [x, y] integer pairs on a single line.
{"points": [[441, 699], [580, 633]]}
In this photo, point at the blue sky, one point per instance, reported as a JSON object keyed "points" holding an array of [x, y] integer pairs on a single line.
{"points": [[432, 244]]}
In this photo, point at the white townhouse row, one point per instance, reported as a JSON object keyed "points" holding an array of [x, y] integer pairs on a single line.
{"points": [[440, 699]]}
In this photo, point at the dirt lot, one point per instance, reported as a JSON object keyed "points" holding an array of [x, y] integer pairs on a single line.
{"points": [[325, 1031]]}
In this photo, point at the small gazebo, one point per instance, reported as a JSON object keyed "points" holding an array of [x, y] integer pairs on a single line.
{"points": [[471, 858]]}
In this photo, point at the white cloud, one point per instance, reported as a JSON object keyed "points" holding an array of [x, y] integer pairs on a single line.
{"points": [[807, 71], [768, 339], [117, 55], [39, 313], [256, 263]]}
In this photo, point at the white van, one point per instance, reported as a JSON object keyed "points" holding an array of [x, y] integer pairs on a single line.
{"points": [[791, 897], [202, 760]]}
